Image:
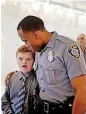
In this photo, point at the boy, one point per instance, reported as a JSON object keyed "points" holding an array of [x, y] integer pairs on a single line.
{"points": [[21, 85]]}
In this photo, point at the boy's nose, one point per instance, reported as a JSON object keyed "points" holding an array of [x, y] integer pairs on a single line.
{"points": [[24, 61]]}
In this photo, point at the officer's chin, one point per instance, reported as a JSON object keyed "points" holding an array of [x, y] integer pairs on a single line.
{"points": [[37, 49]]}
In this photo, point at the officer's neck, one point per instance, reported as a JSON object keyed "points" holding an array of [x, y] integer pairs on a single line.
{"points": [[46, 37]]}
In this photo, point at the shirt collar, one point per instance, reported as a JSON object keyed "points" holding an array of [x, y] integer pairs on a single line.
{"points": [[51, 42], [29, 75]]}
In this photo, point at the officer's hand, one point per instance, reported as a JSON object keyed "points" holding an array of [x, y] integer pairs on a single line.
{"points": [[8, 77]]}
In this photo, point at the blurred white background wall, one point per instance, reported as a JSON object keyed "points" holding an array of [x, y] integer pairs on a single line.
{"points": [[57, 17]]}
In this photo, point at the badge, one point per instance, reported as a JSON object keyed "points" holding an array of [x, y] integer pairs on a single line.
{"points": [[74, 51], [50, 56]]}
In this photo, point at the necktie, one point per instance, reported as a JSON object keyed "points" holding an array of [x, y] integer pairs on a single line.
{"points": [[19, 104]]}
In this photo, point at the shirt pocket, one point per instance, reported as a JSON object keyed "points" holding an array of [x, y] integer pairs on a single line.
{"points": [[51, 70]]}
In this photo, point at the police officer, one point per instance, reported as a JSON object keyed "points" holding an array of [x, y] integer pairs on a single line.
{"points": [[60, 68], [82, 41]]}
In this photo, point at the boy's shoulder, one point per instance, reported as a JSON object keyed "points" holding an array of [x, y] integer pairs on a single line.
{"points": [[14, 76]]}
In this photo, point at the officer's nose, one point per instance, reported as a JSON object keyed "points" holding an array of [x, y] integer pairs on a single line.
{"points": [[29, 46]]}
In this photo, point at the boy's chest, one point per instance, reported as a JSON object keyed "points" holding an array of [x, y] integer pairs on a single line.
{"points": [[29, 86]]}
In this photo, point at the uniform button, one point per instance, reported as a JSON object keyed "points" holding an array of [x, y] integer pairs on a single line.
{"points": [[50, 69], [70, 105], [43, 90], [52, 108]]}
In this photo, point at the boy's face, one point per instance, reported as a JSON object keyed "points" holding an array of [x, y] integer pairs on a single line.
{"points": [[25, 61]]}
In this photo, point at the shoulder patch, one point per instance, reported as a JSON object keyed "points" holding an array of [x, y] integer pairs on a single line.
{"points": [[74, 51]]}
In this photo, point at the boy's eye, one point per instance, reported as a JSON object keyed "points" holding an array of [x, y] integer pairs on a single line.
{"points": [[28, 59], [20, 59]]}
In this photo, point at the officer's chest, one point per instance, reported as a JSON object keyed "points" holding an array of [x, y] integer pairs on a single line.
{"points": [[50, 59], [49, 66]]}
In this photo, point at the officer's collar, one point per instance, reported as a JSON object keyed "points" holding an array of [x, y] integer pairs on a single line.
{"points": [[51, 42], [29, 75]]}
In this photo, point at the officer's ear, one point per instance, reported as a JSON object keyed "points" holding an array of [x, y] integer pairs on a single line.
{"points": [[36, 34]]}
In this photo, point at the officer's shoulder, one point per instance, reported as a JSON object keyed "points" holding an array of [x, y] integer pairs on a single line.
{"points": [[65, 40]]}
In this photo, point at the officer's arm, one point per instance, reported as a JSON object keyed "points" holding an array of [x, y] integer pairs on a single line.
{"points": [[8, 77], [5, 101], [76, 69], [79, 85]]}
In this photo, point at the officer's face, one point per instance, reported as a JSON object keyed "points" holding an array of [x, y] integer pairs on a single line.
{"points": [[25, 61], [31, 39]]}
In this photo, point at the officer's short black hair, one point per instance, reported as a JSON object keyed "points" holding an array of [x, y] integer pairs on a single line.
{"points": [[31, 23]]}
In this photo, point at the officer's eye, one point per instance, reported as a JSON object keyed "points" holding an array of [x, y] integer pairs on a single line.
{"points": [[25, 41]]}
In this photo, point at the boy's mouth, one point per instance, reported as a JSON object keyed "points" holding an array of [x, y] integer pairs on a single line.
{"points": [[24, 66]]}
